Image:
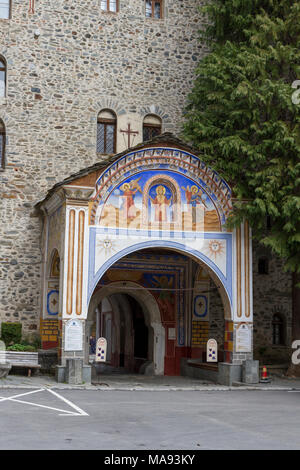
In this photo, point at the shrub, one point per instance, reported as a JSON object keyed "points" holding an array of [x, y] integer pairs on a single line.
{"points": [[33, 340], [21, 348], [11, 333]]}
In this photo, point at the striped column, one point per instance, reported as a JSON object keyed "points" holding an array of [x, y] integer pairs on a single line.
{"points": [[76, 255]]}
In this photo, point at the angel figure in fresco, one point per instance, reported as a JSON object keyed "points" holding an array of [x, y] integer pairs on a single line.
{"points": [[129, 190], [165, 297], [134, 184], [161, 203], [193, 199]]}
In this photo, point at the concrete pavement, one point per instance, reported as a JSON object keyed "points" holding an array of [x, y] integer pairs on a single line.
{"points": [[141, 382], [181, 420]]}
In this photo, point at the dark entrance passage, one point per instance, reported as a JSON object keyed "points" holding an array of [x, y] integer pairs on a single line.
{"points": [[158, 309], [124, 322], [140, 332]]}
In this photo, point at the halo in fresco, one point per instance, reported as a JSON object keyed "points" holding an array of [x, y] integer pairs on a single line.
{"points": [[156, 199]]}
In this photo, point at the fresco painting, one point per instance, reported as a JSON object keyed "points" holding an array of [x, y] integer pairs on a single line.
{"points": [[164, 276], [165, 298], [164, 281], [160, 198], [155, 199]]}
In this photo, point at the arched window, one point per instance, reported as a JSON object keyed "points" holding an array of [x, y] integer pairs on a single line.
{"points": [[152, 127], [2, 77], [263, 265], [109, 5], [55, 265], [278, 330], [2, 144], [106, 132], [154, 8], [4, 9]]}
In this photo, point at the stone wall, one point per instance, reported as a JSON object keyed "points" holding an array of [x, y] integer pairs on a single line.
{"points": [[82, 61], [217, 318], [272, 295]]}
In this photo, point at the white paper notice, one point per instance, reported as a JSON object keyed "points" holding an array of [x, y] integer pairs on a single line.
{"points": [[243, 338], [73, 335]]}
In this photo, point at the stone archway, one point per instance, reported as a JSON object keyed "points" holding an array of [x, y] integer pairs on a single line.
{"points": [[200, 258], [143, 296], [89, 248]]}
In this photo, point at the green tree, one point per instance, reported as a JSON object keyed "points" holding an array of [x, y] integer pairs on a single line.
{"points": [[242, 118], [241, 115]]}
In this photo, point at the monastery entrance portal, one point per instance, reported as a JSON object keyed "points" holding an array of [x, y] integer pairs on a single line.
{"points": [[154, 307], [148, 261]]}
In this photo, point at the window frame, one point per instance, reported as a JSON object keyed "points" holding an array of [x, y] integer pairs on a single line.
{"points": [[153, 9], [281, 322], [3, 134], [9, 10], [152, 125], [108, 10], [263, 265], [4, 69], [106, 122]]}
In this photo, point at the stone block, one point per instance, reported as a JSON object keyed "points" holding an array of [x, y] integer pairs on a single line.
{"points": [[4, 370], [250, 372], [86, 374], [48, 358], [229, 373], [60, 372], [73, 374]]}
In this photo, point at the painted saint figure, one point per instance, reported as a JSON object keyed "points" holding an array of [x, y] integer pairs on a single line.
{"points": [[160, 203], [165, 297], [194, 200], [129, 208]]}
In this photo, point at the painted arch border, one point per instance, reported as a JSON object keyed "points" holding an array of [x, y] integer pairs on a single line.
{"points": [[226, 281], [215, 180], [163, 149]]}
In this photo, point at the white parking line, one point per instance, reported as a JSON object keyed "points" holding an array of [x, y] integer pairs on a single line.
{"points": [[79, 411], [20, 395]]}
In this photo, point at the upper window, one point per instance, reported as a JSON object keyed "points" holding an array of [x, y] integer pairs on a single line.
{"points": [[154, 8], [278, 330], [109, 5], [151, 127], [263, 266], [2, 77], [2, 144], [106, 132], [4, 9]]}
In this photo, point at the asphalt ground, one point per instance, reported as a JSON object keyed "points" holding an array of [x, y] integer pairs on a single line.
{"points": [[46, 418]]}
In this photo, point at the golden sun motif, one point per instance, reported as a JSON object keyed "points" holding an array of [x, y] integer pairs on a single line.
{"points": [[106, 245], [215, 248]]}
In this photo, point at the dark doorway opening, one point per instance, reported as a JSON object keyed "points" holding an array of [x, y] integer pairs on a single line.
{"points": [[140, 330]]}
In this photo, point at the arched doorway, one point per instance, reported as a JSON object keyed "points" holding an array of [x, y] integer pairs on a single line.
{"points": [[157, 196], [130, 315], [155, 307]]}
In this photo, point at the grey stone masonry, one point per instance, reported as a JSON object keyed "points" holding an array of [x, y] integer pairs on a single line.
{"points": [[85, 60], [250, 372], [82, 61], [74, 371]]}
